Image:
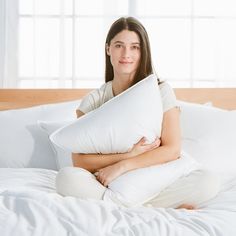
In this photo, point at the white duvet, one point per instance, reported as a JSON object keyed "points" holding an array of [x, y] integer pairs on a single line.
{"points": [[30, 206]]}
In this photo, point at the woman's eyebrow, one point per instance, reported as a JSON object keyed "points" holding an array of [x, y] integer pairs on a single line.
{"points": [[118, 42], [124, 43]]}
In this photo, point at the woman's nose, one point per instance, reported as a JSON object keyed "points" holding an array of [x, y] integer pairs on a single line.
{"points": [[126, 52]]}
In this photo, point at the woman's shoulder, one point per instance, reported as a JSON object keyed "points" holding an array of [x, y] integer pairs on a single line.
{"points": [[106, 87], [103, 93], [164, 85], [96, 97], [167, 95], [99, 92], [165, 88]]}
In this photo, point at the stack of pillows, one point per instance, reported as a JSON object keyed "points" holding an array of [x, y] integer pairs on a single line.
{"points": [[115, 127], [24, 144]]}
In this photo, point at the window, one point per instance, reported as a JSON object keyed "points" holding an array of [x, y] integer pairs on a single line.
{"points": [[60, 43]]}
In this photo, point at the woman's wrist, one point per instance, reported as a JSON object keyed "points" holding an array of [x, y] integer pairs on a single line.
{"points": [[127, 155], [124, 165]]}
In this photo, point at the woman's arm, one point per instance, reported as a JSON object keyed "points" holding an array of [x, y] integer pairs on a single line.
{"points": [[170, 140], [95, 162], [168, 151]]}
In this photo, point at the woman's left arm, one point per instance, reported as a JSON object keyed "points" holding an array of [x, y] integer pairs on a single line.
{"points": [[168, 151]]}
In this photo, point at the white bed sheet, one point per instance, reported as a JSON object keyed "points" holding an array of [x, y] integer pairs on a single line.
{"points": [[30, 206]]}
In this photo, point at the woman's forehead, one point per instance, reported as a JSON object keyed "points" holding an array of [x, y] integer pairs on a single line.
{"points": [[127, 37]]}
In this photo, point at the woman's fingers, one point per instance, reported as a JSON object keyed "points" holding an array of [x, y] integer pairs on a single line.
{"points": [[141, 146], [99, 176], [158, 141], [142, 140], [154, 144]]}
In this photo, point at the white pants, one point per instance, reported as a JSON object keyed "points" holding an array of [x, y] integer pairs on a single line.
{"points": [[195, 188]]}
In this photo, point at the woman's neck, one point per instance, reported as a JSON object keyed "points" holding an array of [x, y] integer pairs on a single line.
{"points": [[120, 84]]}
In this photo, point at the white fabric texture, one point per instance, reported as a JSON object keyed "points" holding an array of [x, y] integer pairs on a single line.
{"points": [[23, 143], [208, 135], [97, 97], [9, 22], [78, 182], [139, 186], [29, 206], [194, 188], [130, 189], [118, 124], [63, 157]]}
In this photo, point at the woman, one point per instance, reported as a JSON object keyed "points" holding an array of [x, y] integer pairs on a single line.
{"points": [[128, 60]]}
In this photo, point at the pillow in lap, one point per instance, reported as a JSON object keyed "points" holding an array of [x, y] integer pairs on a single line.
{"points": [[139, 186], [118, 124], [115, 127]]}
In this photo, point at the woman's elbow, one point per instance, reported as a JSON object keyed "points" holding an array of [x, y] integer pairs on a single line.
{"points": [[174, 152], [78, 161]]}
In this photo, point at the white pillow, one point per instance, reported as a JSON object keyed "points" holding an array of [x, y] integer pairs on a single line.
{"points": [[208, 135], [139, 186], [115, 127], [118, 124], [63, 157], [23, 143]]}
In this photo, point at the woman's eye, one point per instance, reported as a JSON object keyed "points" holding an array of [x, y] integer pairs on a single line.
{"points": [[135, 47], [117, 45]]}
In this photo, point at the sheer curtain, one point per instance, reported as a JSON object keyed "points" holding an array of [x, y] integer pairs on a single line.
{"points": [[60, 43], [8, 43]]}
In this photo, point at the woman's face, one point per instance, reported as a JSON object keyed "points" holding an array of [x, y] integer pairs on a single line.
{"points": [[124, 52]]}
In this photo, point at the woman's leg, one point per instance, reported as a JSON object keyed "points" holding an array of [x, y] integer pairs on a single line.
{"points": [[193, 189], [78, 182]]}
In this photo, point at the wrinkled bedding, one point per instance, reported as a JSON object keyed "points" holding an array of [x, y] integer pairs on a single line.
{"points": [[29, 205]]}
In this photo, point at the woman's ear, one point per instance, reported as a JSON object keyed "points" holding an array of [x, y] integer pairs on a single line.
{"points": [[108, 49]]}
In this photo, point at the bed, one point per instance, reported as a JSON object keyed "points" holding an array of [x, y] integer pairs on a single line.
{"points": [[29, 204]]}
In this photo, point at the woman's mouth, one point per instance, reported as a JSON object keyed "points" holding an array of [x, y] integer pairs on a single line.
{"points": [[125, 62]]}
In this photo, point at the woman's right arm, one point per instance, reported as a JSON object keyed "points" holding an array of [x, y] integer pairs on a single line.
{"points": [[94, 162]]}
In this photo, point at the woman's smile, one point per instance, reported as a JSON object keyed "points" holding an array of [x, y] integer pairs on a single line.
{"points": [[125, 62]]}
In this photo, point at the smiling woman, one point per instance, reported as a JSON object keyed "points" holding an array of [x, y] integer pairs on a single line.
{"points": [[127, 47], [124, 53], [128, 63]]}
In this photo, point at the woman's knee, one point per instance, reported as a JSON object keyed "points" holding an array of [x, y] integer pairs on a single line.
{"points": [[78, 182], [69, 178]]}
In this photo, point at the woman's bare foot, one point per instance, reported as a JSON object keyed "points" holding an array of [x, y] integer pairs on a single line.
{"points": [[186, 206]]}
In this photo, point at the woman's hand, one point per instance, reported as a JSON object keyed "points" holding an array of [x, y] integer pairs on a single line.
{"points": [[107, 174], [140, 147]]}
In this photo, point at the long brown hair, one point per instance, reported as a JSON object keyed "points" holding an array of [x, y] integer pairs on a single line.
{"points": [[145, 67]]}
